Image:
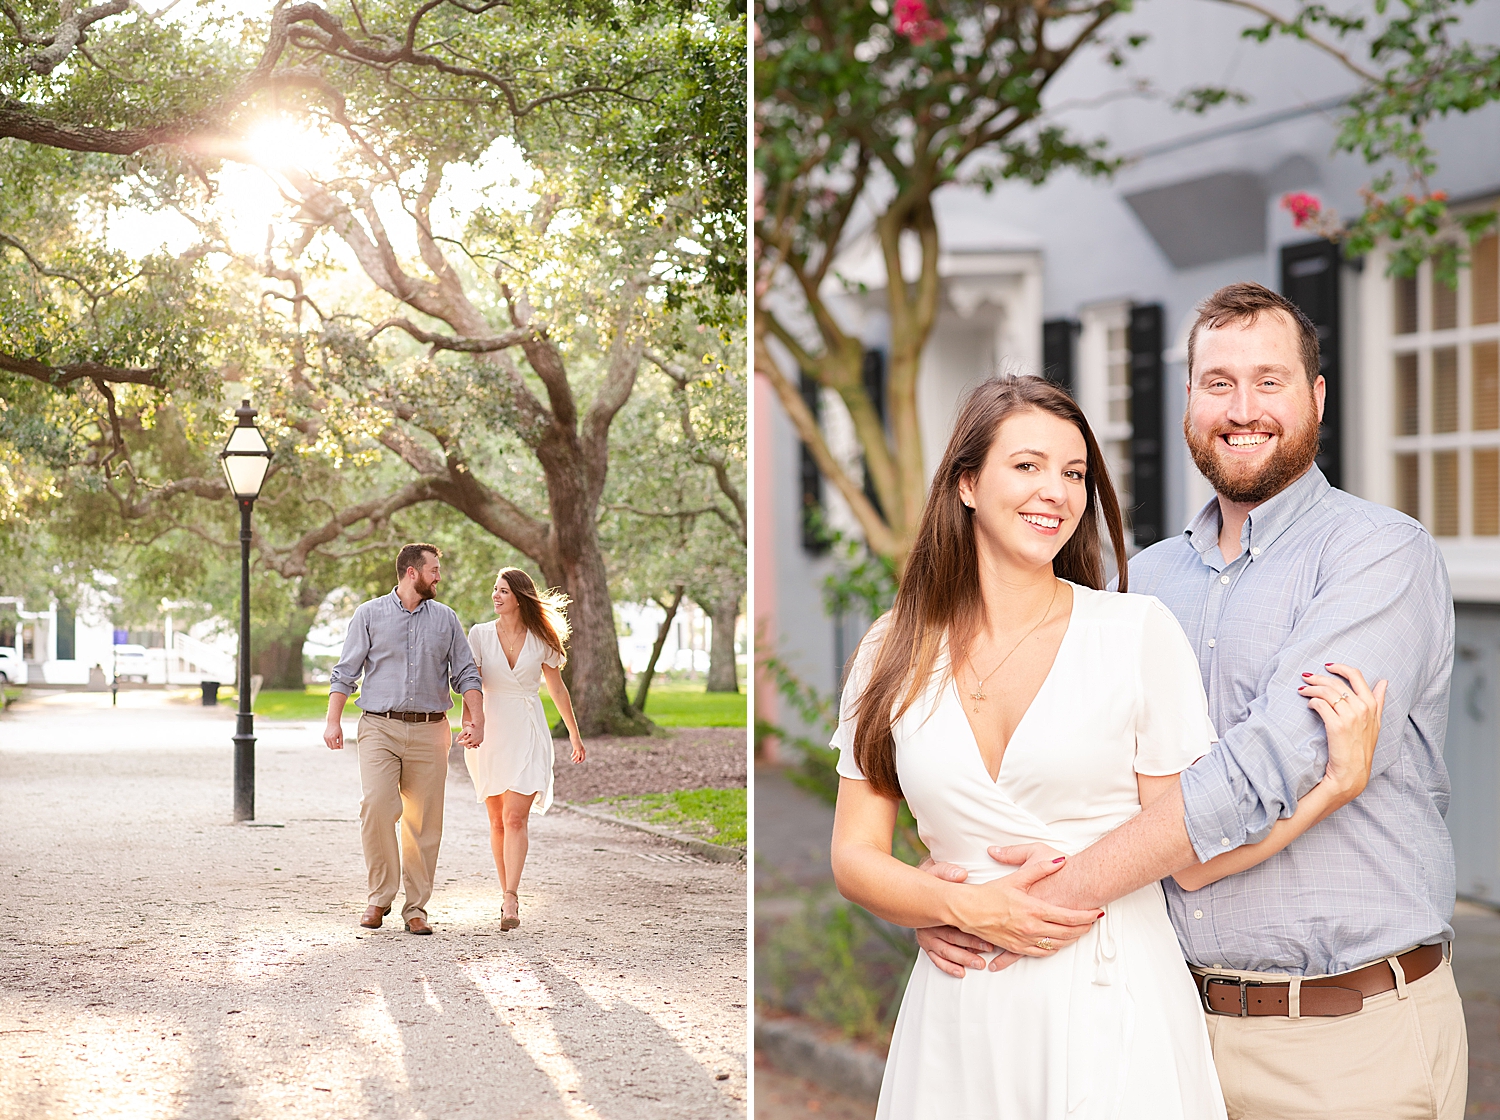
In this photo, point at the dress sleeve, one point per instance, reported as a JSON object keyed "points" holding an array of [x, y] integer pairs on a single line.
{"points": [[1172, 729], [475, 645], [854, 686], [550, 657]]}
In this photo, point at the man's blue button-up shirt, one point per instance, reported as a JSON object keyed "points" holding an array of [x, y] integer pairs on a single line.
{"points": [[407, 658], [1321, 576]]}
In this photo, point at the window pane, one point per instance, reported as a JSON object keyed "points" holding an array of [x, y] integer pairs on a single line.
{"points": [[1444, 305], [1445, 493], [1485, 285], [1486, 386], [1487, 492], [1405, 288], [1445, 390], [1408, 486], [1406, 395]]}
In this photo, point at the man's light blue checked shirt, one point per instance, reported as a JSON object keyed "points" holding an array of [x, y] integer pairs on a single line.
{"points": [[1322, 576], [408, 658]]}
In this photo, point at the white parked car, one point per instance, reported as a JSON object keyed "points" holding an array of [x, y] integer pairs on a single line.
{"points": [[130, 663], [12, 668]]}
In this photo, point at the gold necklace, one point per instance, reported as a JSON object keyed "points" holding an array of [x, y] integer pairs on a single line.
{"points": [[518, 640], [978, 694]]}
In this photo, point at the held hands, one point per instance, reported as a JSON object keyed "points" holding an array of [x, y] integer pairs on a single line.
{"points": [[473, 733], [1003, 915], [1352, 716]]}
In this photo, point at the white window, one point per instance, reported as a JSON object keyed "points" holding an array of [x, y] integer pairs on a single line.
{"points": [[1444, 376], [1103, 387]]}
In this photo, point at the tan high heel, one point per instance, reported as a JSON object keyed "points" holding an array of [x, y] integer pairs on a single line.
{"points": [[510, 921]]}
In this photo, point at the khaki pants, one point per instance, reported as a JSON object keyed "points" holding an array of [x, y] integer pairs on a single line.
{"points": [[403, 772], [1404, 1056]]}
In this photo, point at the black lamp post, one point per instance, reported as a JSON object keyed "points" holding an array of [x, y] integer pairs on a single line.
{"points": [[245, 458]]}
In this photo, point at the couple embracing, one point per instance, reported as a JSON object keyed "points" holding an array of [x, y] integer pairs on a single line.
{"points": [[1195, 769], [410, 649]]}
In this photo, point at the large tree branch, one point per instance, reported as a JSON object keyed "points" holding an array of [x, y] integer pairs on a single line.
{"points": [[449, 342], [711, 457], [59, 376]]}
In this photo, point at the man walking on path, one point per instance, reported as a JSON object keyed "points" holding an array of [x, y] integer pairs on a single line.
{"points": [[409, 649], [1323, 970]]}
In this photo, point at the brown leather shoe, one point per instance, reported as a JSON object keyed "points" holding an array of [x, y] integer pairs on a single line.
{"points": [[372, 915], [417, 924]]}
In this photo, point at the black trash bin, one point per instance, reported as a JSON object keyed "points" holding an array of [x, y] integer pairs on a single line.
{"points": [[210, 693]]}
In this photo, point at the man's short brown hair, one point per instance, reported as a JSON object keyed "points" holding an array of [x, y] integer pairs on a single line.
{"points": [[1243, 303], [414, 556]]}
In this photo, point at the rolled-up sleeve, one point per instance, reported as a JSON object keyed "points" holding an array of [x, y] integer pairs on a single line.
{"points": [[1375, 610], [463, 674], [351, 664]]}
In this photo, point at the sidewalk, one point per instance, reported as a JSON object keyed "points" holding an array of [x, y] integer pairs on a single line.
{"points": [[160, 961]]}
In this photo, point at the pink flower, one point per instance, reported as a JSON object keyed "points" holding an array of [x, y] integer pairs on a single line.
{"points": [[912, 19], [1304, 207]]}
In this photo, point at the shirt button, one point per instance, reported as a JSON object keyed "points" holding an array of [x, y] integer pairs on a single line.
{"points": [[1197, 913], [1223, 579], [1255, 552], [1225, 841], [1211, 643]]}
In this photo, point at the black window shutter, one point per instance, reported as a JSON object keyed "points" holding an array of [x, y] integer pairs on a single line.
{"points": [[813, 537], [1148, 515], [1310, 279], [1058, 336], [875, 383]]}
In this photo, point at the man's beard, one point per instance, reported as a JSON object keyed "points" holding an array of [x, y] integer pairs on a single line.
{"points": [[424, 590], [1295, 452]]}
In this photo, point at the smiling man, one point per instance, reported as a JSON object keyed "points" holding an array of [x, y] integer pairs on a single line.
{"points": [[1323, 970]]}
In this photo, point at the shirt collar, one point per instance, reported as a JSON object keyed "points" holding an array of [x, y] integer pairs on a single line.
{"points": [[1266, 522], [396, 598]]}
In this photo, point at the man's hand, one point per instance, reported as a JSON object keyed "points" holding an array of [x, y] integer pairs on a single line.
{"points": [[1006, 916], [333, 735], [473, 733]]}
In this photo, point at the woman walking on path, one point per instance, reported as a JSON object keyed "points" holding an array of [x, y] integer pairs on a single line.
{"points": [[512, 768]]}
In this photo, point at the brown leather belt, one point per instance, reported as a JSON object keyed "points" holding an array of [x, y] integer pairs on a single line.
{"points": [[411, 717], [1343, 994]]}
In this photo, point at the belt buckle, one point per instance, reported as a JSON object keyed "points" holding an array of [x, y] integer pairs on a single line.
{"points": [[1244, 986]]}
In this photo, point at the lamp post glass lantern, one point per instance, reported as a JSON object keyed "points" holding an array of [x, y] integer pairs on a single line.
{"points": [[245, 459]]}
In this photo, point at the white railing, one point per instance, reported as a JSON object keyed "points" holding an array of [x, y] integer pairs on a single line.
{"points": [[190, 657]]}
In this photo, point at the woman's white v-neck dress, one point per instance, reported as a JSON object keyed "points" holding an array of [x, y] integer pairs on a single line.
{"points": [[1109, 1026], [516, 753]]}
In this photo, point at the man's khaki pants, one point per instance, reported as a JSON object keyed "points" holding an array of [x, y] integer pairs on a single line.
{"points": [[403, 770], [1404, 1056]]}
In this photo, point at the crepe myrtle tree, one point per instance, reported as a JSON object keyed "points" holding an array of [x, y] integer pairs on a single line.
{"points": [[872, 109], [1413, 66]]}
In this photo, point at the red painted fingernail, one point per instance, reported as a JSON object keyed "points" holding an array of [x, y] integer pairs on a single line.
{"points": [[1101, 913], [1307, 674], [1327, 663], [1059, 859]]}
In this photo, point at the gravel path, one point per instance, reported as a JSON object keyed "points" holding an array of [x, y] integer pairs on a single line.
{"points": [[160, 962]]}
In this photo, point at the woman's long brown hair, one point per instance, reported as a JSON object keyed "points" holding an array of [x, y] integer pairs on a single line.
{"points": [[541, 612], [939, 593]]}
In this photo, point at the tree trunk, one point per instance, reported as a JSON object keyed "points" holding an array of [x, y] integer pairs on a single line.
{"points": [[279, 662], [600, 703], [661, 639], [724, 610]]}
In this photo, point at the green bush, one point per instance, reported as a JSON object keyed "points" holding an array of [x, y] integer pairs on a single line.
{"points": [[838, 964]]}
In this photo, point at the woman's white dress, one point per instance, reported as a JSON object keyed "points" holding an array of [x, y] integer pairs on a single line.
{"points": [[516, 753], [1109, 1026]]}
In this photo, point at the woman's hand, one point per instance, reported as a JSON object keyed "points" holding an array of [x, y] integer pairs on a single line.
{"points": [[1005, 915], [1351, 713], [578, 751]]}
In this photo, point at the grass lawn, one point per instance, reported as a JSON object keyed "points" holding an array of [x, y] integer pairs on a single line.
{"points": [[674, 704], [709, 814]]}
